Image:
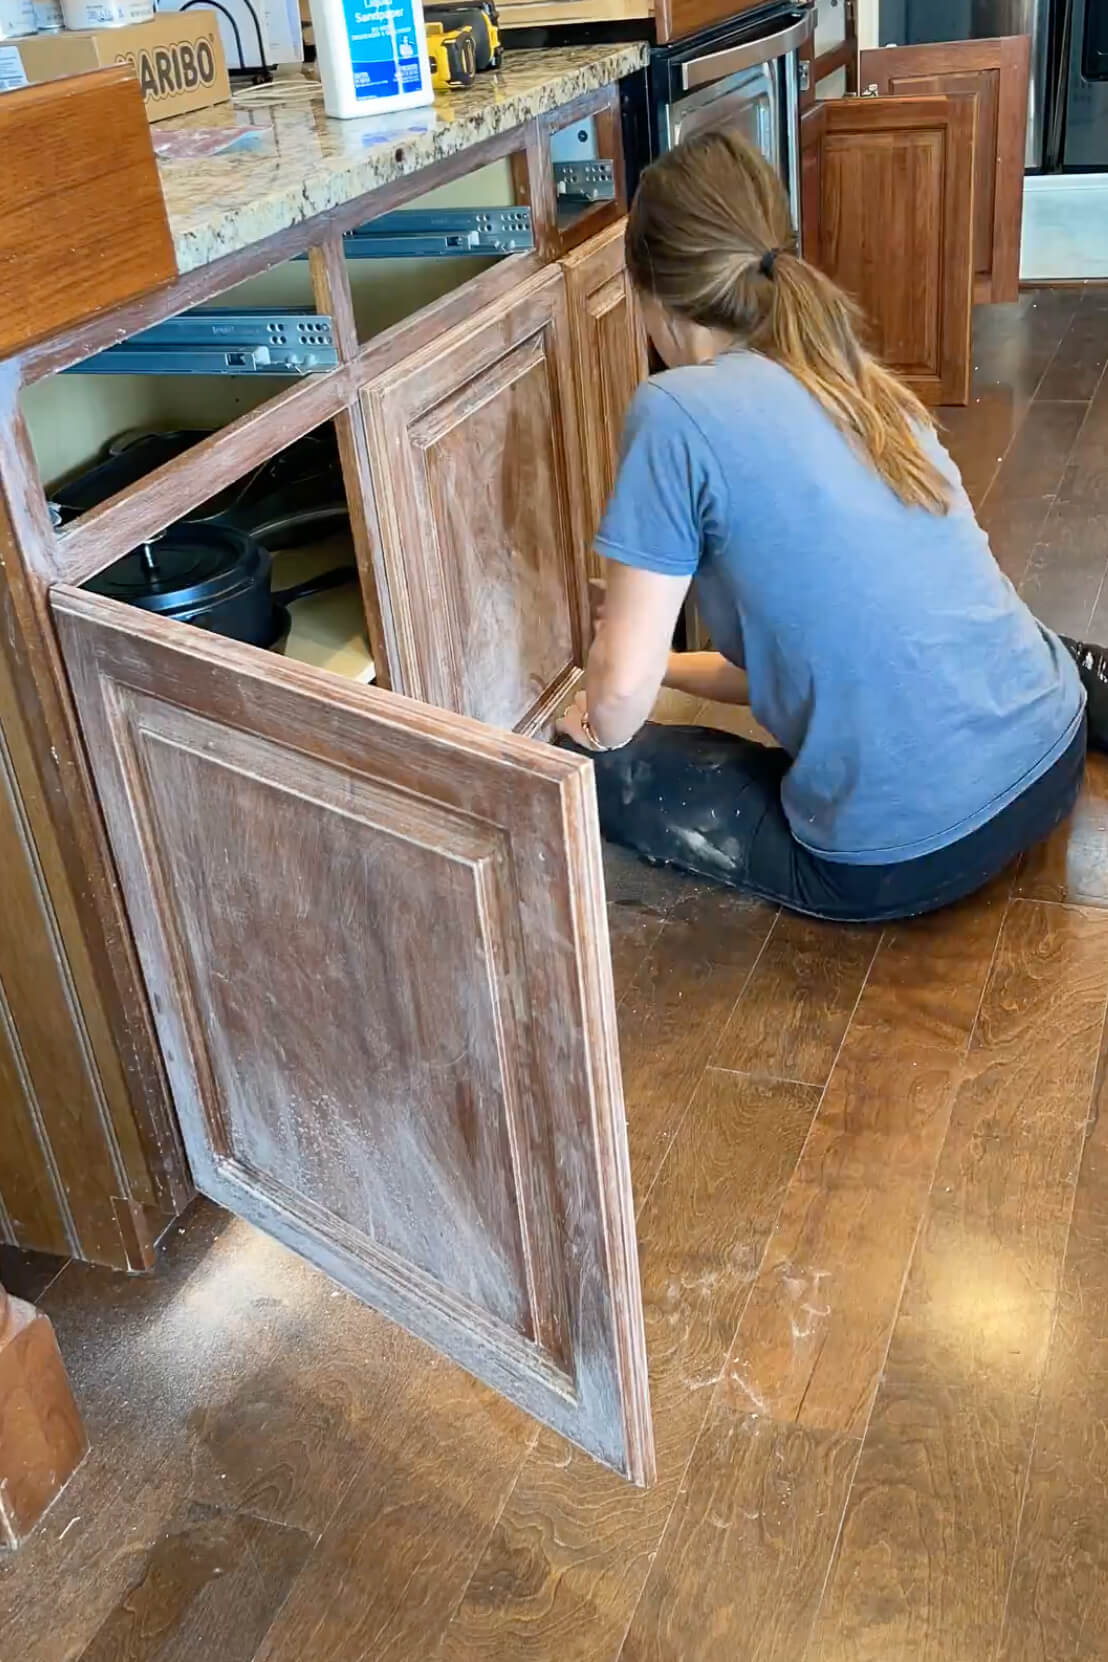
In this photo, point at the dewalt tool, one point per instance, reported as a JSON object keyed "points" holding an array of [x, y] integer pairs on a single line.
{"points": [[482, 19], [453, 57]]}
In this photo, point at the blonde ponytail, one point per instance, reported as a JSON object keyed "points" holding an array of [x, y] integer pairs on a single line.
{"points": [[710, 238]]}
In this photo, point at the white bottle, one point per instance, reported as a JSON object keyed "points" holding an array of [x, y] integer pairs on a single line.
{"points": [[372, 56]]}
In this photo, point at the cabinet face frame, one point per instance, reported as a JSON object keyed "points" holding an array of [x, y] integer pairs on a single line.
{"points": [[43, 559], [592, 1389], [172, 491]]}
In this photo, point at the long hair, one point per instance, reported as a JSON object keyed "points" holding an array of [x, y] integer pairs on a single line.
{"points": [[709, 236]]}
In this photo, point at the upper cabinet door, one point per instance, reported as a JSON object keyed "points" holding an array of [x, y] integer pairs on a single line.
{"points": [[375, 944], [476, 468], [609, 344], [996, 72], [887, 199]]}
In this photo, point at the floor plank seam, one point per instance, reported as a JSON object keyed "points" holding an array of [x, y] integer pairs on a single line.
{"points": [[1088, 905], [532, 1444], [1032, 1441], [909, 1261], [767, 1078], [1017, 429], [770, 1233], [682, 1115], [724, 1370]]}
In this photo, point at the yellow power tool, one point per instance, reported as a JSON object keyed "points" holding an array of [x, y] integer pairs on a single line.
{"points": [[483, 21], [453, 57]]}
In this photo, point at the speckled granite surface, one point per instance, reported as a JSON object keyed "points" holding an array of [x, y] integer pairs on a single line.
{"points": [[300, 164]]}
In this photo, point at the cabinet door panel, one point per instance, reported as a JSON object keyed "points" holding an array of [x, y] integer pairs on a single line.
{"points": [[996, 72], [375, 944], [609, 348], [888, 213], [474, 452]]}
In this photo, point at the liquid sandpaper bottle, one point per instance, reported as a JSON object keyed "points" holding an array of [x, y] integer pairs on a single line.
{"points": [[372, 56]]}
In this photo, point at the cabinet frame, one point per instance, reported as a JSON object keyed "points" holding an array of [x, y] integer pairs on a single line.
{"points": [[56, 782]]}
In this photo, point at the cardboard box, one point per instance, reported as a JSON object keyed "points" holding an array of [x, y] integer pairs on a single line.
{"points": [[177, 56]]}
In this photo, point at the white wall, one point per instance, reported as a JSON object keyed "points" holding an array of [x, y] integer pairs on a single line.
{"points": [[869, 23]]}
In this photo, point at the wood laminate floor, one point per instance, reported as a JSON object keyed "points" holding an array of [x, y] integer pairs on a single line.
{"points": [[872, 1180]]}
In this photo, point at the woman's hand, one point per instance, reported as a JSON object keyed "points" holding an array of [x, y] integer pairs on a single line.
{"points": [[571, 725]]}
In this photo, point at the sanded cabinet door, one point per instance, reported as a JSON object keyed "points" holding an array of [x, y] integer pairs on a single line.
{"points": [[996, 73], [887, 211], [374, 940], [609, 347], [474, 453]]}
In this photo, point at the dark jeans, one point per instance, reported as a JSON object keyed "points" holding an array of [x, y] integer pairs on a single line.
{"points": [[710, 803]]}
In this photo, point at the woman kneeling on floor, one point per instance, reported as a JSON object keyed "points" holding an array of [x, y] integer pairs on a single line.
{"points": [[930, 729]]}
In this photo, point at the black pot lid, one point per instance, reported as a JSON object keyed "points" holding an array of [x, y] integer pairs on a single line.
{"points": [[192, 565]]}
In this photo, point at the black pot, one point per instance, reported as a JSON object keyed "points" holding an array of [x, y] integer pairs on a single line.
{"points": [[210, 575], [214, 577], [290, 499]]}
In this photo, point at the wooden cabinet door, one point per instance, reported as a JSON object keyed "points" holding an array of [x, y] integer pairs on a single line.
{"points": [[609, 348], [887, 211], [374, 939], [477, 475], [996, 72]]}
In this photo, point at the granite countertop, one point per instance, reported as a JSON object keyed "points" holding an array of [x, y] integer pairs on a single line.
{"points": [[295, 163]]}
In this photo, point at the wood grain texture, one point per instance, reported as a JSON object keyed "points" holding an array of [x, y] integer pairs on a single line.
{"points": [[572, 1548], [61, 1167], [82, 221], [1036, 463], [434, 1471], [1071, 866], [996, 72], [742, 1565], [671, 1017], [42, 1438], [1077, 367], [609, 345], [239, 1378], [1056, 1610], [1065, 574], [813, 1338], [203, 283], [673, 19], [888, 200], [929, 1535], [474, 448], [68, 961], [211, 1582], [794, 1011], [456, 1155], [1086, 477], [1013, 526]]}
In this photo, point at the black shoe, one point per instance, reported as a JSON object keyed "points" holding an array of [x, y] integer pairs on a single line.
{"points": [[1092, 666]]}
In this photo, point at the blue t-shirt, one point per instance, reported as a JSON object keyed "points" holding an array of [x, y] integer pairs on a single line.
{"points": [[885, 650]]}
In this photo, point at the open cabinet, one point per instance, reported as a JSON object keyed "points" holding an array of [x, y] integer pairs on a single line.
{"points": [[372, 927]]}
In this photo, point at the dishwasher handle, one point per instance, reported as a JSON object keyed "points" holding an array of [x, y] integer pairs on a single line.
{"points": [[701, 72]]}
